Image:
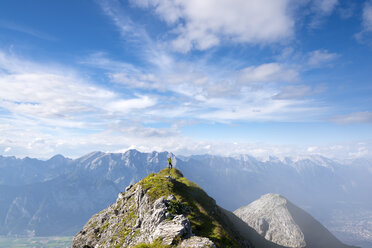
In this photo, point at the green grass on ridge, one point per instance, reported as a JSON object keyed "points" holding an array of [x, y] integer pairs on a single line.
{"points": [[205, 217]]}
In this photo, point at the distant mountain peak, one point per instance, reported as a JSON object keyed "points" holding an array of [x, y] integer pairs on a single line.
{"points": [[131, 151], [57, 157], [277, 199], [281, 222], [270, 217]]}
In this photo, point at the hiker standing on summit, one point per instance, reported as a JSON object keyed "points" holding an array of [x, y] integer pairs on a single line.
{"points": [[170, 162]]}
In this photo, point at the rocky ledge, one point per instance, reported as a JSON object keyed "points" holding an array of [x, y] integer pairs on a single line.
{"points": [[162, 210]]}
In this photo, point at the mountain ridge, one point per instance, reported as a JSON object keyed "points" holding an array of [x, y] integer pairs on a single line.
{"points": [[164, 207], [334, 196]]}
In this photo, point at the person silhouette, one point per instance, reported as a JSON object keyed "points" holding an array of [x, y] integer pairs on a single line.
{"points": [[170, 163]]}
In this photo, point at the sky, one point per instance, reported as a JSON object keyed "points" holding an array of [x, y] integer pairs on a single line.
{"points": [[258, 77]]}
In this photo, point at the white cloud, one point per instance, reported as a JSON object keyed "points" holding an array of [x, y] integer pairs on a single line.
{"points": [[54, 93], [357, 117], [100, 60], [198, 91], [362, 151], [324, 6], [48, 95], [271, 72], [319, 58], [204, 24], [136, 80], [260, 105], [127, 28], [364, 35], [230, 96], [29, 140], [135, 35], [126, 106], [367, 16], [294, 92], [312, 149], [320, 10]]}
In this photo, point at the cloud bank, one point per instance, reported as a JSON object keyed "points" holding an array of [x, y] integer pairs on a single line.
{"points": [[205, 24]]}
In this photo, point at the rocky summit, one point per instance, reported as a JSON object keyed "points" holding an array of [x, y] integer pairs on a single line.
{"points": [[167, 210], [162, 210], [283, 223]]}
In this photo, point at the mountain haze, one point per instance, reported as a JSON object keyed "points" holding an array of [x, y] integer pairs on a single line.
{"points": [[335, 193]]}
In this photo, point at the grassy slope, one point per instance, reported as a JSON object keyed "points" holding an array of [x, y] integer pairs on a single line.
{"points": [[205, 216]]}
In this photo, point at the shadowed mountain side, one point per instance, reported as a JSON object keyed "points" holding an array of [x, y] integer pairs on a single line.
{"points": [[316, 235], [249, 233], [56, 206]]}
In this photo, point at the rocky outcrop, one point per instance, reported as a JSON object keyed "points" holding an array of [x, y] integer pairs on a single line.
{"points": [[196, 242], [283, 223], [148, 213], [133, 219], [270, 217]]}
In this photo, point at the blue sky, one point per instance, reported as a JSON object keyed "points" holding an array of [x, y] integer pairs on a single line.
{"points": [[262, 77]]}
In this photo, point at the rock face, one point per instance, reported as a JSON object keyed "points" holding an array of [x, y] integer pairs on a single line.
{"points": [[163, 209], [283, 223], [133, 219], [270, 217]]}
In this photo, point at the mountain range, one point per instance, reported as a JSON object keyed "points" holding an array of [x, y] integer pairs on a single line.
{"points": [[57, 196]]}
